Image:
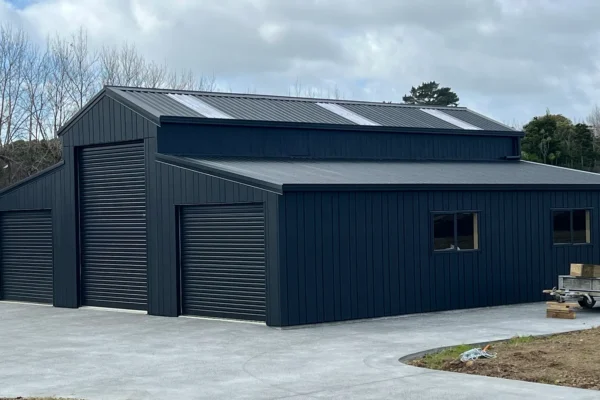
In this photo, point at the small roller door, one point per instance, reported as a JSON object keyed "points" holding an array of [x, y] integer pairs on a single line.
{"points": [[113, 226], [26, 256], [223, 261]]}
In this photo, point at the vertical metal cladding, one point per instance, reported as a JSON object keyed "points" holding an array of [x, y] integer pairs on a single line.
{"points": [[218, 141], [223, 261], [173, 187], [26, 272], [113, 226], [106, 121], [328, 256], [350, 255], [52, 191]]}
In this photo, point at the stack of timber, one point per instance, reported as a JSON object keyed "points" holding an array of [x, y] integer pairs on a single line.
{"points": [[585, 270], [561, 310]]}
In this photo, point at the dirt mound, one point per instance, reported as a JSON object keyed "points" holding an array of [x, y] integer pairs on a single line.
{"points": [[570, 359]]}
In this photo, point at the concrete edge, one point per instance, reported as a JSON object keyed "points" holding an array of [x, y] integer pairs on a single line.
{"points": [[26, 303], [395, 317], [115, 310], [230, 320]]}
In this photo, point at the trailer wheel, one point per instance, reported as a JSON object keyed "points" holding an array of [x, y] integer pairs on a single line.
{"points": [[587, 302]]}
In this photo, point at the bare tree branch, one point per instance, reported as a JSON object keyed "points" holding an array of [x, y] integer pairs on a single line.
{"points": [[82, 70], [41, 87]]}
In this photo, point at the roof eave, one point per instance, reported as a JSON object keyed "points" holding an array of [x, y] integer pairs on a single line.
{"points": [[491, 120], [334, 187], [122, 97], [340, 127], [31, 178], [219, 173]]}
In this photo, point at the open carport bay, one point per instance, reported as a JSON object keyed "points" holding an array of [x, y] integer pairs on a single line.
{"points": [[98, 354]]}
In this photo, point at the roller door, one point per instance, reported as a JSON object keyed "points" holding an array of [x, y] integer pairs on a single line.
{"points": [[113, 226], [223, 261], [26, 256]]}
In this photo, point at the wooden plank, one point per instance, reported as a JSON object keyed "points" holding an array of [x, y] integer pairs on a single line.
{"points": [[585, 270], [557, 309], [559, 315], [561, 310], [562, 305]]}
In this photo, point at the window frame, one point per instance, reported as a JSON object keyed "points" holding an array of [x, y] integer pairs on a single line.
{"points": [[476, 241], [588, 211]]}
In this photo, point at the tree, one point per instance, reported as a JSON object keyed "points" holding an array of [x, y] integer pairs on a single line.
{"points": [[431, 94], [541, 141], [554, 139], [41, 87], [584, 147], [298, 89], [82, 70], [593, 121], [13, 56]]}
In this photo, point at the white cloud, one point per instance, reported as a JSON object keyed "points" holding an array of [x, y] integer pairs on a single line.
{"points": [[271, 32], [507, 58]]}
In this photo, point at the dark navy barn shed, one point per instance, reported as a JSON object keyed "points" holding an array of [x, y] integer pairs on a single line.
{"points": [[290, 211]]}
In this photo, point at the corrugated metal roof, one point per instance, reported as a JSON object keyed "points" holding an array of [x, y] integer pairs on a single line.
{"points": [[449, 119], [321, 172], [475, 119], [159, 103], [199, 106], [257, 109], [344, 112], [399, 116]]}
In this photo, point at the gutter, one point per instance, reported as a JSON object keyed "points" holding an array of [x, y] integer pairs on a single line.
{"points": [[363, 187]]}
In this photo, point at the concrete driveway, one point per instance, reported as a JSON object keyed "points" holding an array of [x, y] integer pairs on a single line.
{"points": [[99, 354]]}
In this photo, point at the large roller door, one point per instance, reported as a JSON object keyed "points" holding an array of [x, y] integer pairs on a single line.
{"points": [[223, 261], [26, 256], [113, 226]]}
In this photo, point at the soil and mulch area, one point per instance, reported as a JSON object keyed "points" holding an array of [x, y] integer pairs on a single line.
{"points": [[569, 359]]}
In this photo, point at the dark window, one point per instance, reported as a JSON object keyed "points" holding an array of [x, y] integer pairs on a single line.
{"points": [[581, 226], [562, 226], [443, 232], [571, 226], [455, 231], [466, 233]]}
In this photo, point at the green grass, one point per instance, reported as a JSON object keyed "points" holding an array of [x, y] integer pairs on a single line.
{"points": [[520, 340], [437, 360]]}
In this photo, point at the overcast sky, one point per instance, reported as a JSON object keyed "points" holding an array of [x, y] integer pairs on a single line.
{"points": [[509, 59]]}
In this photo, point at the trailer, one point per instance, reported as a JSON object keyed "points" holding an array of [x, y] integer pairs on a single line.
{"points": [[584, 290]]}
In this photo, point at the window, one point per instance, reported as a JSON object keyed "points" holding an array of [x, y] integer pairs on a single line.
{"points": [[455, 231], [571, 226]]}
